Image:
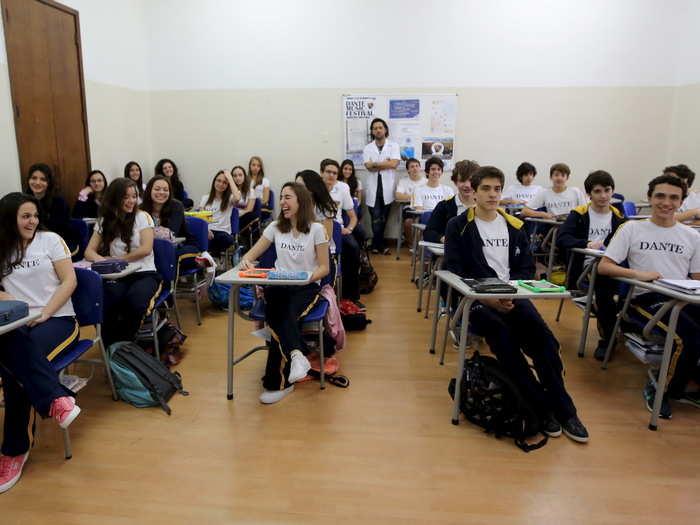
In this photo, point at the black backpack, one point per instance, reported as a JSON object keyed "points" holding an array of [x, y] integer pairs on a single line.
{"points": [[140, 379], [368, 277], [489, 399]]}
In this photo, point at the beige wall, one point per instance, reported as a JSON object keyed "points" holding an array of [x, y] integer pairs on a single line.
{"points": [[684, 143], [623, 130]]}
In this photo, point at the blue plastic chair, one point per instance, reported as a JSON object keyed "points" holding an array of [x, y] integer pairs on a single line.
{"points": [[253, 227], [311, 322], [81, 234], [166, 265], [267, 211], [88, 304], [235, 231], [628, 208], [200, 231], [336, 269]]}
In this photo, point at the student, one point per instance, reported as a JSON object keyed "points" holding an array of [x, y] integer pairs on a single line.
{"points": [[168, 168], [452, 206], [655, 248], [169, 213], [690, 209], [325, 208], [246, 203], [350, 256], [35, 267], [592, 226], [524, 190], [405, 190], [54, 213], [261, 184], [558, 200], [222, 195], [89, 198], [132, 171], [348, 176], [427, 197], [125, 232], [301, 245], [381, 157], [487, 242]]}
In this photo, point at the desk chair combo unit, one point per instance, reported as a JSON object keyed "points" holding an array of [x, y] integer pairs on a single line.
{"points": [[549, 240], [436, 253], [420, 220], [312, 323], [192, 282]]}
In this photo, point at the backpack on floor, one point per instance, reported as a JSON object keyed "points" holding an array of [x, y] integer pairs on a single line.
{"points": [[353, 318], [489, 399], [140, 379], [170, 341], [368, 277]]}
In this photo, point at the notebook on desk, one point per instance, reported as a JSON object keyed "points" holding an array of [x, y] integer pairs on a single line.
{"points": [[688, 286]]}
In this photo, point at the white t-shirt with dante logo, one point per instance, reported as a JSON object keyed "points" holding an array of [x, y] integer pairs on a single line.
{"points": [[599, 227], [557, 203], [220, 220], [296, 253], [408, 186], [340, 193], [494, 235], [34, 280], [117, 247], [674, 252], [427, 197], [518, 192]]}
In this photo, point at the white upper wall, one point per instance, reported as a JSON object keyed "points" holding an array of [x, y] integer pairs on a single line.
{"points": [[225, 44], [114, 37]]}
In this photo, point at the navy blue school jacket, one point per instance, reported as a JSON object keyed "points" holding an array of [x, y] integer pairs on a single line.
{"points": [[464, 253], [437, 225]]}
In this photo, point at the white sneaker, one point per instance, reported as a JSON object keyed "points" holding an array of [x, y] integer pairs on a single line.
{"points": [[273, 396], [299, 367]]}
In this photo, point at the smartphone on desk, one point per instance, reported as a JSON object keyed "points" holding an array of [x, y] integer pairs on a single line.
{"points": [[541, 286]]}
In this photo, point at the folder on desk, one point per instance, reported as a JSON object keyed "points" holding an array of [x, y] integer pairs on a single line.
{"points": [[688, 286]]}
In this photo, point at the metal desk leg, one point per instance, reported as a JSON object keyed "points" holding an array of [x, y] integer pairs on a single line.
{"points": [[552, 249], [229, 346], [613, 336], [448, 322], [460, 359], [663, 372], [436, 320], [587, 311], [420, 279], [400, 231], [414, 255]]}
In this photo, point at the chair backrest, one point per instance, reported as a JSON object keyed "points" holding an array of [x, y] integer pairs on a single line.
{"points": [[199, 230], [165, 260], [257, 208], [87, 297], [271, 202], [81, 234], [629, 208], [425, 217], [619, 196], [235, 221], [338, 237], [356, 206]]}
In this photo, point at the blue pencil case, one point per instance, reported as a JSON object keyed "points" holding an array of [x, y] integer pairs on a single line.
{"points": [[11, 311], [287, 275]]}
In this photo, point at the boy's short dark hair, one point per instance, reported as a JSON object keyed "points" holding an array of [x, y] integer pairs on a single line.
{"points": [[560, 166], [434, 160], [598, 178], [411, 161], [464, 170], [329, 162], [524, 169], [487, 172], [682, 171], [667, 178]]}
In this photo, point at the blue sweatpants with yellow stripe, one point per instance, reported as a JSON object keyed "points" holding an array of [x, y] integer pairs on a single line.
{"points": [[27, 377], [686, 347]]}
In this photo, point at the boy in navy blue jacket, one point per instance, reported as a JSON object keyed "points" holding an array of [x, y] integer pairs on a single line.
{"points": [[592, 226], [487, 242]]}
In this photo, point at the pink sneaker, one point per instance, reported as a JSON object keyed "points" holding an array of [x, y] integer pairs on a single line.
{"points": [[11, 470], [64, 410]]}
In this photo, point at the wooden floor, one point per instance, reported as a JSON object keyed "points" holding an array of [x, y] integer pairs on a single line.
{"points": [[382, 451]]}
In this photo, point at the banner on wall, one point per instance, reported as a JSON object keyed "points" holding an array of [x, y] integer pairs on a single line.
{"points": [[422, 125]]}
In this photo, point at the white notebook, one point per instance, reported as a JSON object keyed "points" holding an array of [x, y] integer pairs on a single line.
{"points": [[682, 285]]}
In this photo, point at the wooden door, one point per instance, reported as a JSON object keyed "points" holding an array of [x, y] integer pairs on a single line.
{"points": [[46, 77]]}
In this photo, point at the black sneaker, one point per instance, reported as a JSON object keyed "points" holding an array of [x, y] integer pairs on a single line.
{"points": [[574, 429], [600, 350], [650, 395], [552, 427], [690, 398]]}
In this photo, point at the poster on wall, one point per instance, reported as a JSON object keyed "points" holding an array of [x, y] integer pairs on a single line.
{"points": [[422, 125]]}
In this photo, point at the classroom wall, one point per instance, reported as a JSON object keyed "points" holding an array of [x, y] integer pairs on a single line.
{"points": [[597, 84]]}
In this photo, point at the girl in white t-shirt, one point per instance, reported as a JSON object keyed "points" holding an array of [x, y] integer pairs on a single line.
{"points": [[348, 176], [261, 184], [426, 197], [125, 232], [133, 171], [521, 193], [223, 195], [325, 208], [246, 203], [301, 245], [36, 268]]}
